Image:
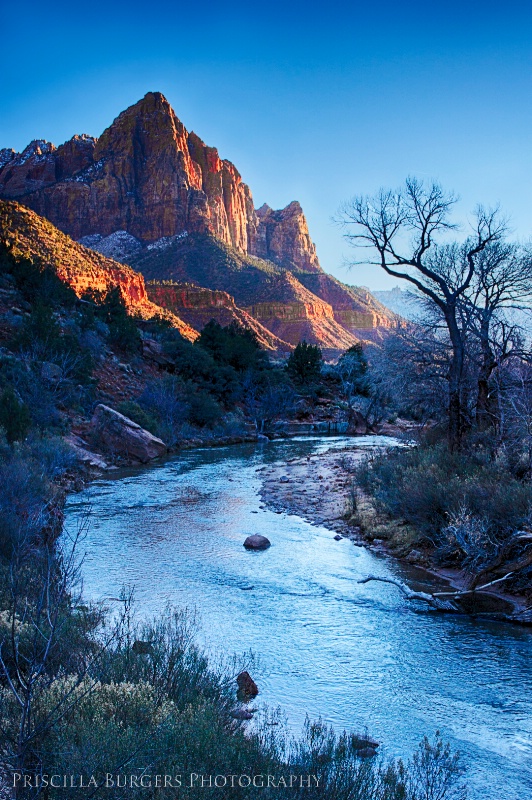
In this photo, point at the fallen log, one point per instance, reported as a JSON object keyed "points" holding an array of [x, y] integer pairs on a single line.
{"points": [[450, 601], [432, 600]]}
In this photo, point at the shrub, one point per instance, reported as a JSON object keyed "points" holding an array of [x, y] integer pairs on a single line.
{"points": [[426, 486], [111, 309], [203, 410], [36, 281], [164, 400], [197, 365], [233, 345], [304, 364], [15, 417], [30, 504], [131, 409]]}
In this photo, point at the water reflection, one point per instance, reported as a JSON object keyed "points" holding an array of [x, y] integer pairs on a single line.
{"points": [[356, 655]]}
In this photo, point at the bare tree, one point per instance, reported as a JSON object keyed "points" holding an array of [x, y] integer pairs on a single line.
{"points": [[401, 229], [501, 284]]}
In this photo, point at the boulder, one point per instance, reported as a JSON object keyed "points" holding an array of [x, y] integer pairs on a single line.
{"points": [[241, 714], [257, 542], [366, 752], [246, 685], [153, 351], [51, 372], [338, 538], [362, 742], [142, 648], [119, 434]]}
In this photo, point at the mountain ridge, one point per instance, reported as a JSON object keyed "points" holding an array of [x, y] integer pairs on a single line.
{"points": [[150, 194]]}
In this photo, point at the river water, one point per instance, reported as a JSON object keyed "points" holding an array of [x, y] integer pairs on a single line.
{"points": [[359, 656]]}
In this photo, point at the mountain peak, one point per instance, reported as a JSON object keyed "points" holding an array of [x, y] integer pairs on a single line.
{"points": [[149, 176]]}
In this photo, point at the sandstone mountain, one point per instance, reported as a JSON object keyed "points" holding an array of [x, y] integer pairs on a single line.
{"points": [[273, 296], [28, 235], [150, 194]]}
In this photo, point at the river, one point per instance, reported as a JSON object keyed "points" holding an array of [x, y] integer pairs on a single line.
{"points": [[359, 656]]}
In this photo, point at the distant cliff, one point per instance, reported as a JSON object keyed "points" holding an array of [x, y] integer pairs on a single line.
{"points": [[149, 176], [150, 194]]}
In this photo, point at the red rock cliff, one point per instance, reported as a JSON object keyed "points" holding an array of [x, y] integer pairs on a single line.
{"points": [[28, 235], [149, 176], [283, 237]]}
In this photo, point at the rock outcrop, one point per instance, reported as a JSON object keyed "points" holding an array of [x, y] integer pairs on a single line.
{"points": [[148, 176], [28, 235], [296, 314], [119, 435], [197, 306], [153, 195], [283, 237], [355, 308]]}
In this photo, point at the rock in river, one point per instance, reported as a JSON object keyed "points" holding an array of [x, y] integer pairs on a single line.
{"points": [[246, 685], [257, 542]]}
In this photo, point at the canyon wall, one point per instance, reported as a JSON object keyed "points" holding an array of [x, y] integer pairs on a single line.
{"points": [[27, 235], [148, 176], [153, 195]]}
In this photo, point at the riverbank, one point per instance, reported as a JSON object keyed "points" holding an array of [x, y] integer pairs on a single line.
{"points": [[321, 489]]}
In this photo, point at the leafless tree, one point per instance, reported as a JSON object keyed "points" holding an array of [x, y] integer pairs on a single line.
{"points": [[403, 230], [501, 284]]}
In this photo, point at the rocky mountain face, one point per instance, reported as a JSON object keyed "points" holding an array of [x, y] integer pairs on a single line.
{"points": [[283, 237], [197, 306], [149, 176], [153, 195], [354, 307], [274, 297], [30, 236], [187, 308]]}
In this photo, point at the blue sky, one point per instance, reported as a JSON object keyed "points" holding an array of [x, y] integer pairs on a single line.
{"points": [[315, 103]]}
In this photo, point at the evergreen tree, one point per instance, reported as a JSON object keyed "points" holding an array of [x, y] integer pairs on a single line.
{"points": [[14, 416], [304, 364]]}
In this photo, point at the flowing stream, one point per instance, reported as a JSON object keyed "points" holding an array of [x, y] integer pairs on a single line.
{"points": [[359, 656]]}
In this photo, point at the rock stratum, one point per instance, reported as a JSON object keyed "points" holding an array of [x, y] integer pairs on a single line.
{"points": [[152, 195], [27, 235]]}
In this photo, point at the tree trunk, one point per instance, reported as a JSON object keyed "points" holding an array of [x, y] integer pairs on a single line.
{"points": [[456, 415], [486, 406]]}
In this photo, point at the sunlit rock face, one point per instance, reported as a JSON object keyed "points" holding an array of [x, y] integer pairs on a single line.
{"points": [[283, 237], [27, 234], [148, 176], [197, 306], [151, 194]]}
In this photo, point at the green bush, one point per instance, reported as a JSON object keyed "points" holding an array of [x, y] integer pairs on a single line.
{"points": [[304, 364], [111, 309], [15, 417], [426, 486], [233, 346], [197, 365], [36, 281], [167, 711], [131, 409], [203, 410]]}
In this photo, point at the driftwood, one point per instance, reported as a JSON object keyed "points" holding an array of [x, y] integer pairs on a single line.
{"points": [[440, 601], [409, 594]]}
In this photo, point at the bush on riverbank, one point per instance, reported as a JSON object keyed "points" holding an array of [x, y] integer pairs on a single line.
{"points": [[466, 505], [112, 706]]}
